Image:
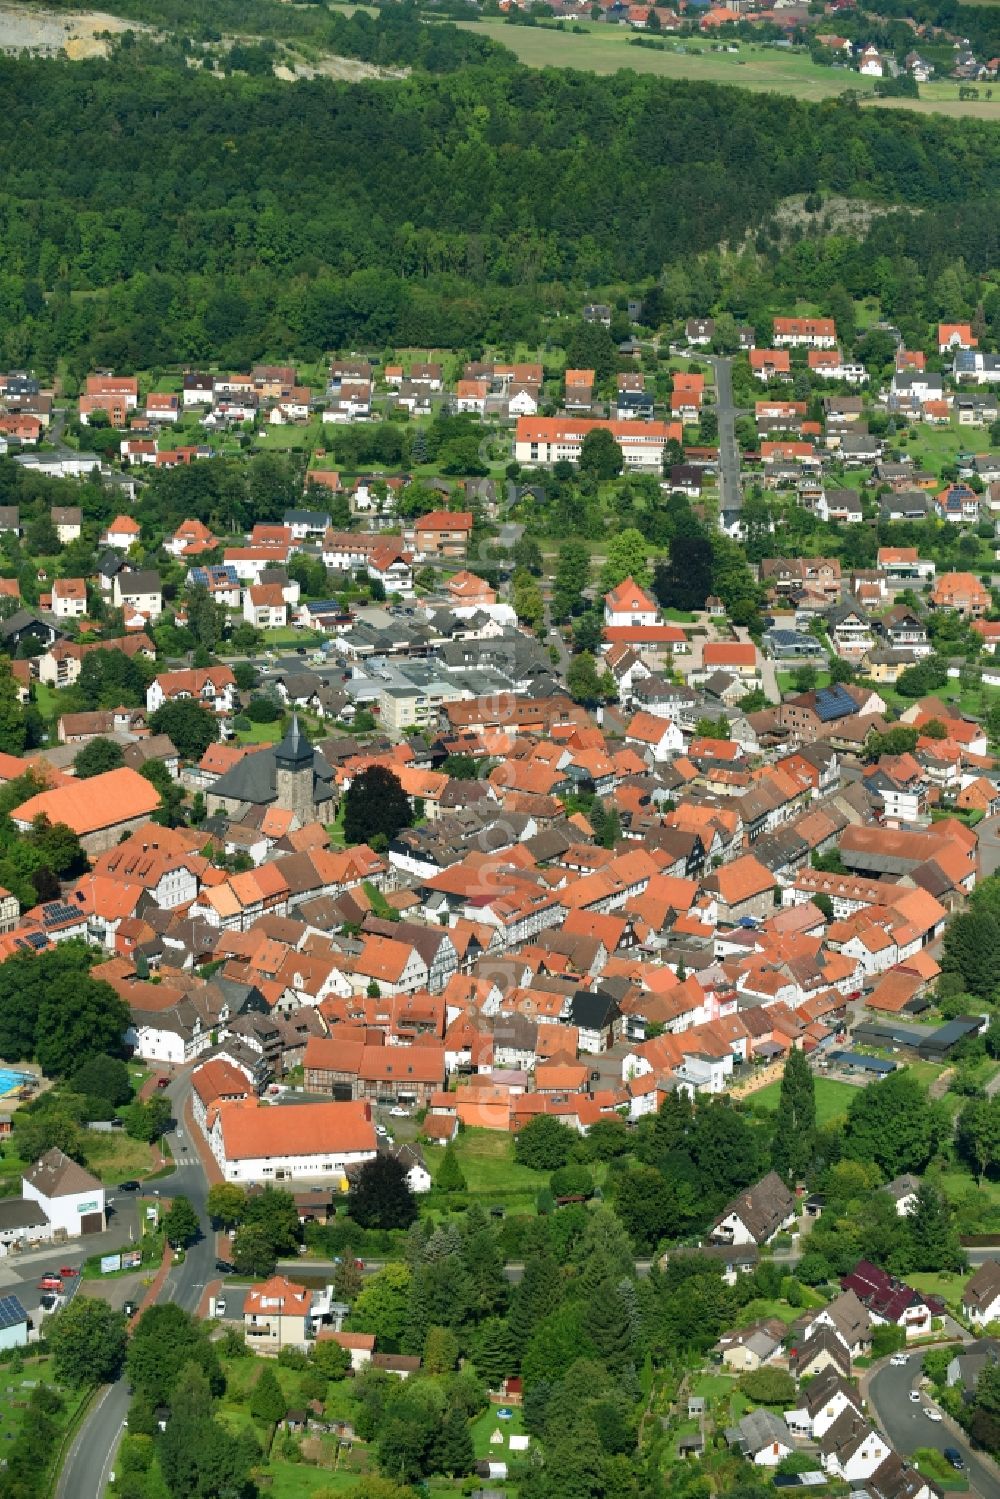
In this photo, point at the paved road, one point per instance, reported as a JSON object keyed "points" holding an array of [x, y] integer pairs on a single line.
{"points": [[989, 846], [908, 1428], [730, 493], [91, 1457]]}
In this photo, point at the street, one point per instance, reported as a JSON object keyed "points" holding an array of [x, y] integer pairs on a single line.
{"points": [[989, 846], [730, 493], [907, 1428], [91, 1456]]}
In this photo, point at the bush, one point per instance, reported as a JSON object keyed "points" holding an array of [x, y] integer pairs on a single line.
{"points": [[543, 1144], [292, 1358], [263, 710], [572, 1181], [887, 1339], [769, 1387]]}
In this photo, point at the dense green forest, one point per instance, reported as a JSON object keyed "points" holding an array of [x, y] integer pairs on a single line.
{"points": [[151, 212]]}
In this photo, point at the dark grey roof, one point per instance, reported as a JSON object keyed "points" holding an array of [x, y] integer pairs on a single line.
{"points": [[294, 749], [146, 580], [253, 778], [24, 619], [21, 1212], [591, 1010]]}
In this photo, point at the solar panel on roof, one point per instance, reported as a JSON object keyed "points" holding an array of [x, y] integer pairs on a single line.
{"points": [[11, 1312], [834, 702], [57, 912]]}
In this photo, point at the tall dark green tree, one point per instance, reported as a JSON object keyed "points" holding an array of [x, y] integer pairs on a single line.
{"points": [[376, 806], [267, 1403], [933, 1236], [453, 1450], [380, 1196], [450, 1177], [795, 1124]]}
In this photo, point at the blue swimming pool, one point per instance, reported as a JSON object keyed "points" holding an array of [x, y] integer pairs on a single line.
{"points": [[11, 1080]]}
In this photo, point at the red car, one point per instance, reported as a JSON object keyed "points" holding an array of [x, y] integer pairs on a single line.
{"points": [[50, 1283], [68, 1270], [163, 1082]]}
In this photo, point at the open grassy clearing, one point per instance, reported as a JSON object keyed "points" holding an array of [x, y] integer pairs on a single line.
{"points": [[15, 1392], [487, 1161], [832, 1098], [600, 48]]}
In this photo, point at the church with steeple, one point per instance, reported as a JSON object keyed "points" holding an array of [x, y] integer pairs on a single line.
{"points": [[291, 775]]}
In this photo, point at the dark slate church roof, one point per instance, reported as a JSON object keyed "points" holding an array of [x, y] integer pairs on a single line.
{"points": [[253, 779]]}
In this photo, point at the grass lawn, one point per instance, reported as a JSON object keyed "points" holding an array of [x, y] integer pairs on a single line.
{"points": [[488, 1423], [289, 635], [713, 1386], [287, 1480], [15, 1392], [113, 1157], [599, 48], [957, 1184], [336, 828], [832, 1098], [46, 699], [786, 683], [948, 1287], [759, 1310], [261, 733], [290, 438], [487, 1160], [924, 1072]]}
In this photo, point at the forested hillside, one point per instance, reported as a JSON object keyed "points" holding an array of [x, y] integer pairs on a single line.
{"points": [[152, 212]]}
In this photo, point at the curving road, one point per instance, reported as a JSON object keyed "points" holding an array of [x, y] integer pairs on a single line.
{"points": [[907, 1428], [90, 1459]]}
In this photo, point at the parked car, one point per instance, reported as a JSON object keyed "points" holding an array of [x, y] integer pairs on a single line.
{"points": [[220, 1307], [224, 1267], [914, 1397], [398, 1112], [931, 1413], [50, 1283], [163, 1082], [130, 1308], [953, 1456], [129, 1186], [68, 1270], [381, 1130], [47, 1301]]}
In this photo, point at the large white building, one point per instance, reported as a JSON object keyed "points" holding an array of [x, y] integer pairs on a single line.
{"points": [[544, 440], [257, 1142], [69, 1196]]}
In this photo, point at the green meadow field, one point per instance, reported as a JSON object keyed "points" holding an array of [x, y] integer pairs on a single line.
{"points": [[600, 48]]}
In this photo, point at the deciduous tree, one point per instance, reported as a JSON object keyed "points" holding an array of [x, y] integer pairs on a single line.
{"points": [[380, 1196], [87, 1342], [375, 806]]}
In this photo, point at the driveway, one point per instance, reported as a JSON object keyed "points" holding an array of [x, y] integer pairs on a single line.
{"points": [[907, 1428]]}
